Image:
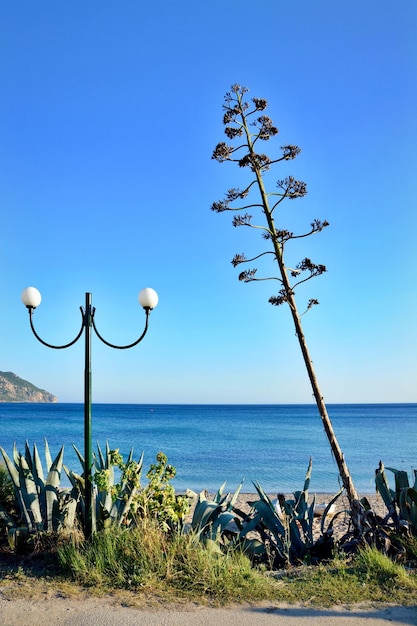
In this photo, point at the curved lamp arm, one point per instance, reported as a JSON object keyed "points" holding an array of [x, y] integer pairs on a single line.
{"points": [[49, 345], [131, 345]]}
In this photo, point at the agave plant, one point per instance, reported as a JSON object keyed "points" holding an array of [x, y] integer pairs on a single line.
{"points": [[212, 519], [276, 532], [42, 505], [112, 499], [401, 502], [285, 526]]}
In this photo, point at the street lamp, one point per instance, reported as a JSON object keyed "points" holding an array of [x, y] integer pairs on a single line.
{"points": [[31, 298]]}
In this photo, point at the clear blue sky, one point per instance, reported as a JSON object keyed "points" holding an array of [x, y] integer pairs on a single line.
{"points": [[108, 117]]}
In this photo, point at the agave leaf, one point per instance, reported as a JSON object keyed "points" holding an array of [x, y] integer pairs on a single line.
{"points": [[78, 484], [16, 455], [334, 518], [68, 507], [222, 521], [262, 494], [103, 463], [30, 495], [270, 518], [104, 501], [219, 497], [28, 456], [54, 474], [408, 505], [306, 520], [260, 520], [208, 514], [103, 517], [236, 495], [48, 457], [80, 457], [37, 465], [39, 479], [251, 525], [51, 487], [387, 494], [401, 480], [202, 512], [130, 456], [253, 547], [308, 477], [76, 480], [296, 545], [14, 473], [326, 511]]}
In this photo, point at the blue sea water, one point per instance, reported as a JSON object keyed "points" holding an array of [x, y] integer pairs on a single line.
{"points": [[210, 444]]}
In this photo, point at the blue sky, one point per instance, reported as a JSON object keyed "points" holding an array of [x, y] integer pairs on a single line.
{"points": [[108, 118]]}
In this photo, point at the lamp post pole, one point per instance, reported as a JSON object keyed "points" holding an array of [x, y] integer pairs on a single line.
{"points": [[31, 298], [88, 453]]}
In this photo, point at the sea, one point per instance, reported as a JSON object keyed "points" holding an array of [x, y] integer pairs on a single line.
{"points": [[212, 444]]}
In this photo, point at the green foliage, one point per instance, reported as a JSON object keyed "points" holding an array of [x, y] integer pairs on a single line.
{"points": [[6, 487], [401, 502], [158, 499], [286, 528], [275, 533], [120, 498], [7, 499], [41, 504], [147, 558], [367, 577], [113, 498], [211, 518], [372, 564]]}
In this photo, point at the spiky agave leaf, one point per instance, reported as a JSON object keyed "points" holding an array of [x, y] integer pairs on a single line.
{"points": [[203, 511], [408, 506], [326, 512], [51, 488], [383, 488], [48, 456], [29, 495], [37, 471], [13, 469], [401, 480]]}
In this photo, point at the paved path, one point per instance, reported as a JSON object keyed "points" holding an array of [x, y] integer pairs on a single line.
{"points": [[102, 612]]}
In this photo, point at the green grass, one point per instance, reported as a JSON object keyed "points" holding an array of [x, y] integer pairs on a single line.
{"points": [[180, 566], [145, 558], [370, 577], [145, 565]]}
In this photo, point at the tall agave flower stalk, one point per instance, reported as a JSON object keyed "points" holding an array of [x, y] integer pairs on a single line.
{"points": [[248, 126]]}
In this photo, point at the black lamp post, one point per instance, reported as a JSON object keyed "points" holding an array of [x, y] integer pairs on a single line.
{"points": [[31, 298]]}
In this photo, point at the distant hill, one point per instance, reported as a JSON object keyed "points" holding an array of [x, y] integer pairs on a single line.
{"points": [[15, 389]]}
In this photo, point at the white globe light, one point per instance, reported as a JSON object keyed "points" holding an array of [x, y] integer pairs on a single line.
{"points": [[148, 298], [31, 297]]}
